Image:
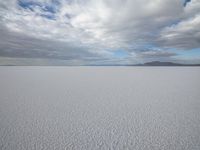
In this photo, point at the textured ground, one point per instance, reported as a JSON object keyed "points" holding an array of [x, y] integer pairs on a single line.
{"points": [[91, 108]]}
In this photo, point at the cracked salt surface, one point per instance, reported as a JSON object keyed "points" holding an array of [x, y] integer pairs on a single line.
{"points": [[92, 108]]}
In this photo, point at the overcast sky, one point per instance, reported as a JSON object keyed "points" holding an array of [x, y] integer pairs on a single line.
{"points": [[99, 32]]}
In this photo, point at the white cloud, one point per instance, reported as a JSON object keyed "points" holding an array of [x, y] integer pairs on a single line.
{"points": [[184, 35], [106, 25]]}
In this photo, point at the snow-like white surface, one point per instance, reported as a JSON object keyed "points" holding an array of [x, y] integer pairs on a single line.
{"points": [[91, 108]]}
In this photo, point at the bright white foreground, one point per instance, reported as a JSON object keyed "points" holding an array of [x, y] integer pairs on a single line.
{"points": [[91, 108]]}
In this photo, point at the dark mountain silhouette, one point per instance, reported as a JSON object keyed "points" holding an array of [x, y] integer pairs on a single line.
{"points": [[158, 63]]}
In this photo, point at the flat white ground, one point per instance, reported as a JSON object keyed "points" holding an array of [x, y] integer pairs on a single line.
{"points": [[91, 108]]}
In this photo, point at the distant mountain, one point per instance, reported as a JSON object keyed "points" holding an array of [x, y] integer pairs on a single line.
{"points": [[158, 63]]}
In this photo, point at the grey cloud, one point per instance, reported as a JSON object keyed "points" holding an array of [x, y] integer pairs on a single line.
{"points": [[185, 35], [17, 45], [90, 30], [106, 23], [156, 54]]}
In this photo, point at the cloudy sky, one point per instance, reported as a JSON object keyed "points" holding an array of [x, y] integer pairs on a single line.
{"points": [[99, 32]]}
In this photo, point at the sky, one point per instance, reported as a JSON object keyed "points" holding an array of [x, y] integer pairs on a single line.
{"points": [[99, 32]]}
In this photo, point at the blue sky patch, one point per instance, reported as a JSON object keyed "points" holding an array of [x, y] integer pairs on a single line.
{"points": [[50, 8], [120, 54], [48, 11], [51, 17], [185, 2]]}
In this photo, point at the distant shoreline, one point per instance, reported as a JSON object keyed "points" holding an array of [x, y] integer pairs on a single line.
{"points": [[148, 64]]}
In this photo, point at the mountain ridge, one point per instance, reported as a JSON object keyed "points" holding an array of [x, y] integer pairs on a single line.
{"points": [[159, 63]]}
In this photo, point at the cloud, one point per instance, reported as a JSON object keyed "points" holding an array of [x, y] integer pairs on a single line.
{"points": [[156, 54], [184, 35], [92, 30], [16, 45]]}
